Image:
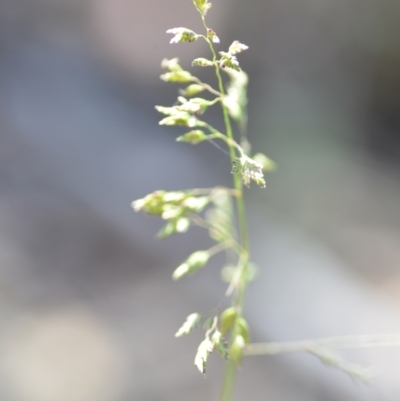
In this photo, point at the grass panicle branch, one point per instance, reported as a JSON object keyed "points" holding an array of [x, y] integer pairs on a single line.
{"points": [[227, 331]]}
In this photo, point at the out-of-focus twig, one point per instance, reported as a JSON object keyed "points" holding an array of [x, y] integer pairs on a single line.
{"points": [[325, 350]]}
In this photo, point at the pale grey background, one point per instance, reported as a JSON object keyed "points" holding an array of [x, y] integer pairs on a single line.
{"points": [[88, 310]]}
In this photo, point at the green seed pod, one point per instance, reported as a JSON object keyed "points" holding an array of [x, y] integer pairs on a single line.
{"points": [[202, 6], [171, 211], [236, 349], [195, 204], [249, 170], [227, 319], [220, 344], [266, 162], [243, 329], [190, 323], [202, 62], [182, 35], [196, 105], [204, 350], [228, 60], [191, 90], [177, 76], [194, 262], [151, 204], [171, 64], [180, 118], [212, 36], [237, 47], [175, 226]]}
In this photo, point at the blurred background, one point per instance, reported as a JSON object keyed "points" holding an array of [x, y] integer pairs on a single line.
{"points": [[87, 307]]}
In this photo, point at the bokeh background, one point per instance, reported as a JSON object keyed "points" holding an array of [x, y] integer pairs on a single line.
{"points": [[87, 307]]}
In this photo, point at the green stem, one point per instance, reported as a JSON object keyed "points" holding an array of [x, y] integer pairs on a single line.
{"points": [[230, 370], [229, 381]]}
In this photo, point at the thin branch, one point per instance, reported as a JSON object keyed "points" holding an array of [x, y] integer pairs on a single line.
{"points": [[333, 359], [222, 246], [207, 87], [230, 242], [325, 350], [215, 134], [363, 341]]}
